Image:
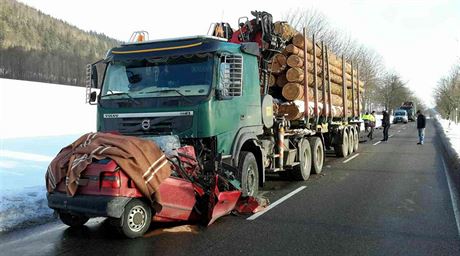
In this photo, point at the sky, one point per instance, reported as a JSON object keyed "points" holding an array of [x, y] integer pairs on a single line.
{"points": [[418, 39]]}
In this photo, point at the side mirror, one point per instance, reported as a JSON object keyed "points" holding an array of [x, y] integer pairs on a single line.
{"points": [[92, 83], [94, 76], [92, 97]]}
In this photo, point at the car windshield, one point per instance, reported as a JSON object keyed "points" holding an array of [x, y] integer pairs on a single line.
{"points": [[182, 76], [400, 113]]}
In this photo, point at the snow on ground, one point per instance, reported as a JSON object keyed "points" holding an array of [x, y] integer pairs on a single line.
{"points": [[29, 109], [38, 119], [452, 132]]}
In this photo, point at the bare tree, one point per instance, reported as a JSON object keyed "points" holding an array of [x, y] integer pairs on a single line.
{"points": [[393, 91], [447, 93]]}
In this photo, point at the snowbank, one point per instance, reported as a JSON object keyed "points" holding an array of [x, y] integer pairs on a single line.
{"points": [[23, 207], [37, 120], [452, 136]]}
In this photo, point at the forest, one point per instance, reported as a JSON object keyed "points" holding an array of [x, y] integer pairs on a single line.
{"points": [[37, 47]]}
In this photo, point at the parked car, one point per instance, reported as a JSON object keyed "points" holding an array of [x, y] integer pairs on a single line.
{"points": [[400, 116]]}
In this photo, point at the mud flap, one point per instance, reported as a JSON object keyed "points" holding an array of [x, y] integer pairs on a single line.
{"points": [[221, 203]]}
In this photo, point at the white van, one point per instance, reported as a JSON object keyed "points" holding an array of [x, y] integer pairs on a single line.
{"points": [[400, 115]]}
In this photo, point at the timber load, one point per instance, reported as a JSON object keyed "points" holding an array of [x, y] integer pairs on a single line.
{"points": [[287, 78]]}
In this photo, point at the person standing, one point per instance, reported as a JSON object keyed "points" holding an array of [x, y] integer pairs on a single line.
{"points": [[366, 121], [371, 119], [386, 125], [421, 123]]}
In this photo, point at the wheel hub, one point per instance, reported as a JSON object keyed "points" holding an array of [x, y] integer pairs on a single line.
{"points": [[136, 218]]}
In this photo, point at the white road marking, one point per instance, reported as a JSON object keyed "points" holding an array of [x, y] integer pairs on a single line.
{"points": [[399, 131], [277, 202], [390, 136], [351, 158], [378, 142], [25, 156], [453, 195]]}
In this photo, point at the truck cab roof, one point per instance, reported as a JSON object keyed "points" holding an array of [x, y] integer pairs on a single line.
{"points": [[171, 47]]}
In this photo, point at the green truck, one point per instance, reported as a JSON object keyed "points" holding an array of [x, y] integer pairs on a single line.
{"points": [[205, 91]]}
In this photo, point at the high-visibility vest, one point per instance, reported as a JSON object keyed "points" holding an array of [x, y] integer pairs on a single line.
{"points": [[371, 118]]}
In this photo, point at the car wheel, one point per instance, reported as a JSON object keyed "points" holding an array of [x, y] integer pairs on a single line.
{"points": [[136, 219], [303, 169], [248, 173], [73, 220]]}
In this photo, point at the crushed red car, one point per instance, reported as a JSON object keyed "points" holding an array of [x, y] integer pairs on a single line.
{"points": [[188, 194]]}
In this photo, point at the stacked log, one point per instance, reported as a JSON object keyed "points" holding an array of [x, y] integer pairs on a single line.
{"points": [[287, 73]]}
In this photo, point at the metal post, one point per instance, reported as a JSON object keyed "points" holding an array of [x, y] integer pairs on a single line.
{"points": [[323, 66], [315, 82], [358, 93], [353, 109], [344, 91], [305, 78], [329, 96]]}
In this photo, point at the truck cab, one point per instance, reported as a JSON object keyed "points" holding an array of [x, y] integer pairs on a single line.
{"points": [[203, 90]]}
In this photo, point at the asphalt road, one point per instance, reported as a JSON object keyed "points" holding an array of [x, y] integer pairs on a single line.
{"points": [[391, 199]]}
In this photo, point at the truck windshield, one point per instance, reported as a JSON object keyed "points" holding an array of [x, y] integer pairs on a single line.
{"points": [[181, 76]]}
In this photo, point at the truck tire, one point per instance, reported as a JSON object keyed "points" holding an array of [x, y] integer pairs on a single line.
{"points": [[248, 173], [303, 169], [341, 150], [351, 141], [317, 154], [136, 219], [73, 220], [356, 139]]}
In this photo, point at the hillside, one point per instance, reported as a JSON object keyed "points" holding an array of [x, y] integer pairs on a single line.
{"points": [[37, 47]]}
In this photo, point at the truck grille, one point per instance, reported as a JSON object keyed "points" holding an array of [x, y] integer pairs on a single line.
{"points": [[149, 125]]}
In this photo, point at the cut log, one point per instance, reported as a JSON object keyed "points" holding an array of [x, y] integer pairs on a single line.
{"points": [[293, 91], [285, 30], [290, 110], [298, 41], [278, 63], [294, 61], [292, 49], [294, 110], [295, 75]]}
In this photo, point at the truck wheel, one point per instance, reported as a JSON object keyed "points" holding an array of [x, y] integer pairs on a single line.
{"points": [[317, 154], [248, 173], [342, 150], [73, 220], [355, 140], [303, 169], [136, 219], [351, 141]]}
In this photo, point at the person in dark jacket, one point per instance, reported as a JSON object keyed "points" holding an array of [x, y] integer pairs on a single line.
{"points": [[421, 123], [385, 124]]}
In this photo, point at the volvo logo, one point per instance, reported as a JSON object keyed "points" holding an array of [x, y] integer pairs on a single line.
{"points": [[145, 124]]}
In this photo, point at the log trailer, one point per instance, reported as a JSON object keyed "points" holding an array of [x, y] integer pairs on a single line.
{"points": [[206, 92]]}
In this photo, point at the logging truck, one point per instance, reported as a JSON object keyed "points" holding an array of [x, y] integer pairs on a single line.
{"points": [[216, 93]]}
